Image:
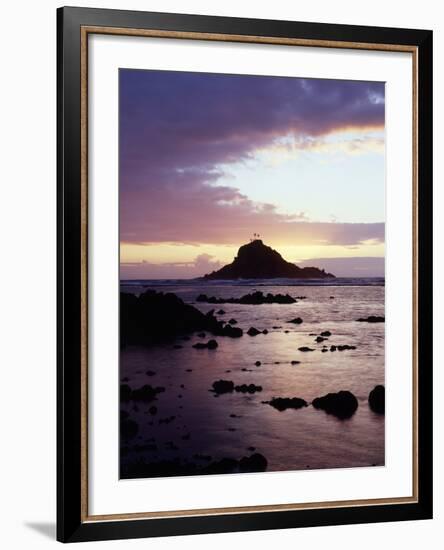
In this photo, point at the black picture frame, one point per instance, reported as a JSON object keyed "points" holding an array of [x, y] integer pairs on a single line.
{"points": [[71, 523]]}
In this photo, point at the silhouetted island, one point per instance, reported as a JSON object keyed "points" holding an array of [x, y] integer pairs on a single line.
{"points": [[256, 260]]}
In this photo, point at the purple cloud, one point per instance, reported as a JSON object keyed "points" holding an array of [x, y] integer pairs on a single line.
{"points": [[177, 128]]}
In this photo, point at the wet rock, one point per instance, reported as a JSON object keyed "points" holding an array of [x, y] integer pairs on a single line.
{"points": [[128, 428], [332, 348], [254, 463], [156, 318], [284, 403], [376, 399], [265, 331], [305, 348], [342, 404], [232, 332], [252, 331], [345, 347], [296, 321], [371, 319], [232, 322], [167, 420], [320, 339], [258, 363], [220, 312], [251, 449], [324, 350], [223, 386], [247, 388], [295, 362], [125, 392], [146, 393], [150, 373], [199, 456], [255, 298], [326, 333], [223, 466], [211, 344]]}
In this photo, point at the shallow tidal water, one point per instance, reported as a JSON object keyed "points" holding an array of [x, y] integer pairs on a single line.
{"points": [[235, 425]]}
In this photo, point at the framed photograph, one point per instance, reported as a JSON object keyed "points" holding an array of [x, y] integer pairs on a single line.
{"points": [[244, 274]]}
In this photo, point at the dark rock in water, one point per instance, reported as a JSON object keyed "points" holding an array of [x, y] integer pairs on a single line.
{"points": [[200, 346], [223, 386], [326, 333], [265, 331], [332, 348], [220, 312], [232, 322], [223, 466], [258, 261], [372, 319], [167, 420], [342, 404], [320, 339], [251, 449], [128, 428], [254, 463], [156, 318], [283, 403], [295, 362], [125, 392], [211, 344], [150, 373], [232, 332], [201, 334], [252, 331], [332, 297], [376, 399], [343, 347], [199, 456], [286, 331], [296, 321], [247, 388], [323, 350], [258, 363], [305, 348], [146, 393], [255, 298]]}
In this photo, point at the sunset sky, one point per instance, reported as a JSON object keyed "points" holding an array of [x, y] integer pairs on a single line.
{"points": [[206, 160]]}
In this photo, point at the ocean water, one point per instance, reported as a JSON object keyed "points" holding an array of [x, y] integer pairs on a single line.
{"points": [[290, 439]]}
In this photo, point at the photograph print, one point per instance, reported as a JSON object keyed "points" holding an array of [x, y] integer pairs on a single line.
{"points": [[252, 313]]}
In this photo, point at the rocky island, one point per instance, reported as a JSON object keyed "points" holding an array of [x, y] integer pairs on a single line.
{"points": [[256, 260]]}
